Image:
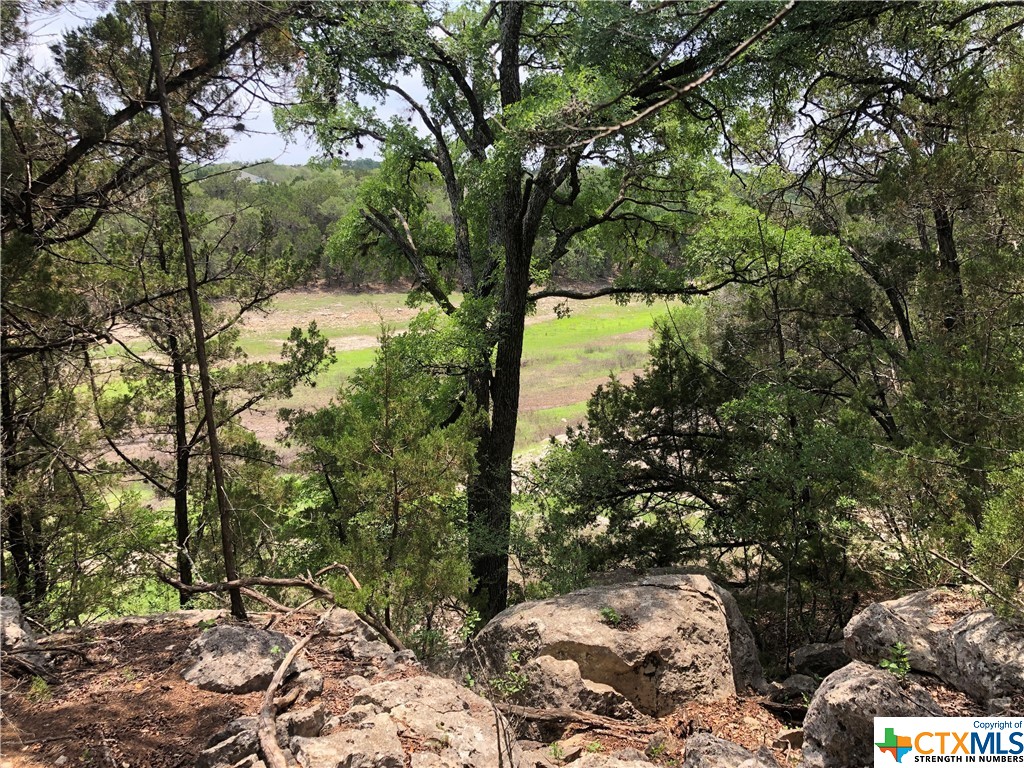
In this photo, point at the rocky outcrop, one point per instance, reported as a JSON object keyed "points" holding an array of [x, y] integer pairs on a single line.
{"points": [[706, 751], [608, 761], [838, 728], [947, 635], [239, 740], [451, 726], [560, 684], [375, 744], [16, 637], [793, 689], [362, 642], [236, 741], [657, 643], [237, 659], [819, 659]]}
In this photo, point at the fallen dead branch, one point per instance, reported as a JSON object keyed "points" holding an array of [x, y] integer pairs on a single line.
{"points": [[68, 650], [978, 580], [307, 582], [267, 723], [790, 712], [15, 659]]}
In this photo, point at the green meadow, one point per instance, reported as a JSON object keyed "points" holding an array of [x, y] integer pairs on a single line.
{"points": [[564, 360]]}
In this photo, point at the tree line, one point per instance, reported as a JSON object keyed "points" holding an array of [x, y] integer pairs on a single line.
{"points": [[833, 188]]}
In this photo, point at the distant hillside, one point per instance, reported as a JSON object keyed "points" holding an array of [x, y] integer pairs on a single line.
{"points": [[286, 174]]}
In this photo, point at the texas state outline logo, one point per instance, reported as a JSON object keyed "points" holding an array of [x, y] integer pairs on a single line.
{"points": [[897, 746]]}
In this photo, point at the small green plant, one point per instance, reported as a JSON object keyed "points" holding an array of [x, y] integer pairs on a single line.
{"points": [[594, 746], [128, 674], [276, 650], [511, 682], [39, 690], [469, 681], [206, 624], [610, 616], [557, 753], [657, 750], [469, 624], [428, 643], [898, 661]]}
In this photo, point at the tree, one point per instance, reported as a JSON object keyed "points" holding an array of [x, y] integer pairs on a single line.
{"points": [[79, 143], [575, 87], [907, 133], [734, 449], [202, 361], [865, 390], [385, 485]]}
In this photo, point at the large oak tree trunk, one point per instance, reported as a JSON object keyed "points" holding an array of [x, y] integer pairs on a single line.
{"points": [[490, 495]]}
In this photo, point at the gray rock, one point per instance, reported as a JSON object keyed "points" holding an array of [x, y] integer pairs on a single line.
{"points": [[789, 739], [356, 682], [307, 722], [630, 754], [237, 741], [560, 684], [310, 684], [537, 758], [597, 760], [706, 751], [946, 635], [237, 744], [794, 688], [399, 658], [839, 726], [685, 641], [820, 659], [376, 745], [16, 636], [463, 729], [454, 727], [235, 659], [363, 643]]}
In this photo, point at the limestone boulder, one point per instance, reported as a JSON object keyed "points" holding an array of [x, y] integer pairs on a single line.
{"points": [[451, 726], [793, 689], [235, 742], [677, 639], [374, 744], [839, 726], [358, 637], [706, 751], [237, 659], [560, 684], [15, 635], [820, 659], [948, 635], [595, 760]]}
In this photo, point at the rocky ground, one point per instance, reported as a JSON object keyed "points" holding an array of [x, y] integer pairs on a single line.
{"points": [[668, 676]]}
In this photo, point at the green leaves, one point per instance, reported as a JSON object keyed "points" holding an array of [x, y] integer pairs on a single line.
{"points": [[388, 462]]}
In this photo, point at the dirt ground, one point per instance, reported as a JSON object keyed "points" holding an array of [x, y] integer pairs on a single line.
{"points": [[130, 708]]}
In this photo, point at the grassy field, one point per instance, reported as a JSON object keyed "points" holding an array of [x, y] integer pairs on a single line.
{"points": [[564, 359]]}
